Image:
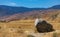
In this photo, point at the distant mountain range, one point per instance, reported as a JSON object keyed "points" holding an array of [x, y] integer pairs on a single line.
{"points": [[55, 7], [9, 12]]}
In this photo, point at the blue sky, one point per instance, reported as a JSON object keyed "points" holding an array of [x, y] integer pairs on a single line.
{"points": [[31, 3]]}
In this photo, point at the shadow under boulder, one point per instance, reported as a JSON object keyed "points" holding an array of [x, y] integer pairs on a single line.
{"points": [[43, 27]]}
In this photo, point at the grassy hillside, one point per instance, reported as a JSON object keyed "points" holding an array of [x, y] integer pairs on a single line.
{"points": [[23, 28]]}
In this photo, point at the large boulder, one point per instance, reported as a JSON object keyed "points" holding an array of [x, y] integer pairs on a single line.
{"points": [[43, 27]]}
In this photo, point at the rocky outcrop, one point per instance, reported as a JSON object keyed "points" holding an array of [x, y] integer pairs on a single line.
{"points": [[43, 27]]}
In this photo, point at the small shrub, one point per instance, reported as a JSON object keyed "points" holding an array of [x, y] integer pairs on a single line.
{"points": [[30, 36], [0, 27], [54, 34]]}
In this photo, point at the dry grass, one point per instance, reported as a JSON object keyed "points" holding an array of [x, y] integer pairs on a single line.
{"points": [[22, 28]]}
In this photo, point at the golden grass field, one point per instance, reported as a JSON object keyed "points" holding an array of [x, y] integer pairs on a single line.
{"points": [[23, 28]]}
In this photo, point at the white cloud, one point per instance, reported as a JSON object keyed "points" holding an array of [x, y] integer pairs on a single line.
{"points": [[11, 4]]}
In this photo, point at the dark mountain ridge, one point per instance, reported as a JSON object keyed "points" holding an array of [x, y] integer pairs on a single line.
{"points": [[9, 10], [55, 7]]}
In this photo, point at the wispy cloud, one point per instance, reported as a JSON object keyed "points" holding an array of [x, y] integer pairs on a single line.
{"points": [[11, 4]]}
